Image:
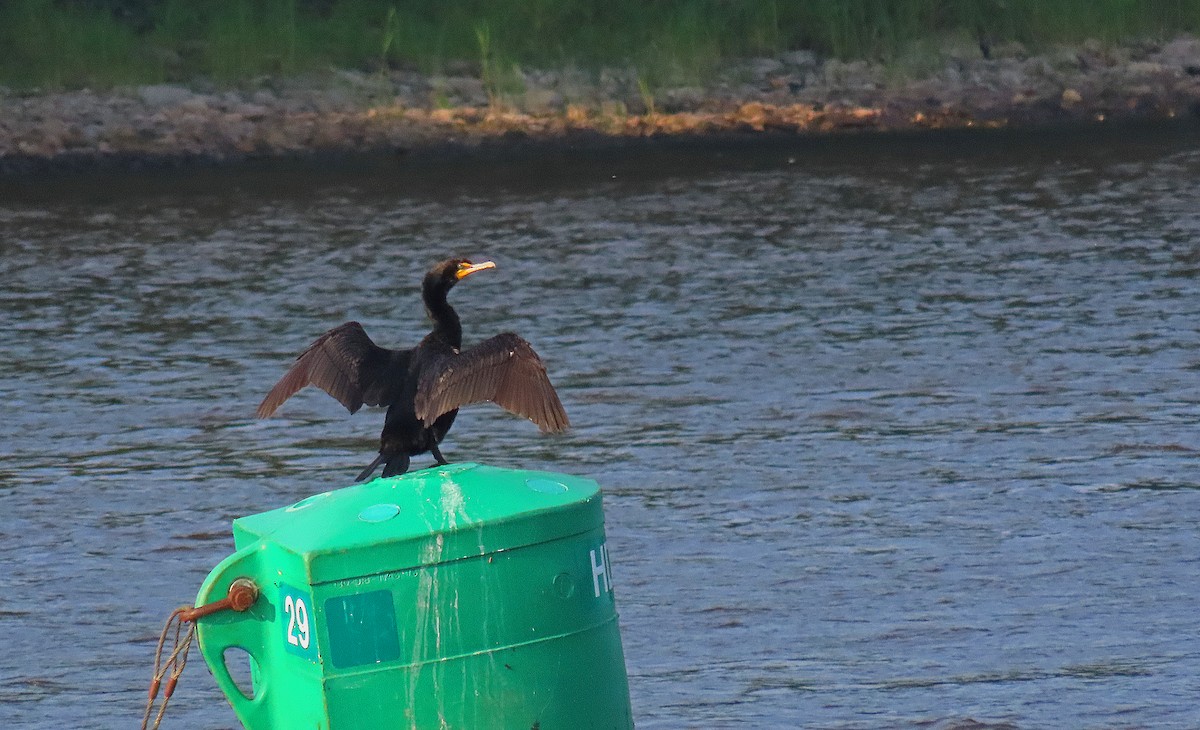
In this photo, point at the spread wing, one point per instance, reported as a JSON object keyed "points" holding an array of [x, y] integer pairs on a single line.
{"points": [[347, 365], [504, 370]]}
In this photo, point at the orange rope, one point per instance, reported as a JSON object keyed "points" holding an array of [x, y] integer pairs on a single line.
{"points": [[171, 668]]}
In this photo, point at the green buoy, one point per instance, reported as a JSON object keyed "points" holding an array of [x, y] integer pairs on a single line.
{"points": [[462, 596]]}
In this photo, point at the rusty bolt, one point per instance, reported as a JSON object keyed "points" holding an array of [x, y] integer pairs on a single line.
{"points": [[242, 594]]}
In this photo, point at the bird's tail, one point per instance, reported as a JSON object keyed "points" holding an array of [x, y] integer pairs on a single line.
{"points": [[362, 477]]}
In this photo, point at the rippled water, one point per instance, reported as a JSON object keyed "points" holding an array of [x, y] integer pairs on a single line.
{"points": [[895, 432]]}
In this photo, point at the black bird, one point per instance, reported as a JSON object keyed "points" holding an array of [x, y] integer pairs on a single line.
{"points": [[423, 387]]}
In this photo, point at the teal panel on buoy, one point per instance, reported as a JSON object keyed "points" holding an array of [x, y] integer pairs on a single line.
{"points": [[362, 629]]}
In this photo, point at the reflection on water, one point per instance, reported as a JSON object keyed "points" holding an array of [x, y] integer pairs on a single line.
{"points": [[891, 433]]}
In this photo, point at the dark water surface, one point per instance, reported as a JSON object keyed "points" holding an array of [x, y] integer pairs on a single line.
{"points": [[892, 434]]}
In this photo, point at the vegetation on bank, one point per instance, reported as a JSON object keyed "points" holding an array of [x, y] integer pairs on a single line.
{"points": [[100, 43]]}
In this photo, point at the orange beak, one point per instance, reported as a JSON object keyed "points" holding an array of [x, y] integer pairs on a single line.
{"points": [[465, 270]]}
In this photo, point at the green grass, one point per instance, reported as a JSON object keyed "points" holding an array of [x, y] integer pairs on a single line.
{"points": [[98, 43]]}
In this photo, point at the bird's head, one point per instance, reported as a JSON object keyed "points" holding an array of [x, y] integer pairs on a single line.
{"points": [[445, 274]]}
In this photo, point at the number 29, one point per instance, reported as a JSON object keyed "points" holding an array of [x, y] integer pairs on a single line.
{"points": [[297, 632]]}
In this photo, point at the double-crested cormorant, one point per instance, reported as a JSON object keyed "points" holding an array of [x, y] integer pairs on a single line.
{"points": [[423, 387]]}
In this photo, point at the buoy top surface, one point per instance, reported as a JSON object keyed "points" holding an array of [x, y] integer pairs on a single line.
{"points": [[424, 518]]}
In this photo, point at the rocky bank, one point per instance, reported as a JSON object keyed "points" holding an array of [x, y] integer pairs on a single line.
{"points": [[954, 86]]}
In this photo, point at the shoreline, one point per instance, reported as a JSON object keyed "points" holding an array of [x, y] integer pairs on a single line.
{"points": [[344, 114]]}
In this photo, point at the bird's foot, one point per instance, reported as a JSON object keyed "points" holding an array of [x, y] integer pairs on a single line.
{"points": [[396, 465], [437, 454]]}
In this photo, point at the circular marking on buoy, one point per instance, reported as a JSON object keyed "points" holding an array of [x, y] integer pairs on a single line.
{"points": [[564, 585], [307, 501], [546, 486], [379, 512]]}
